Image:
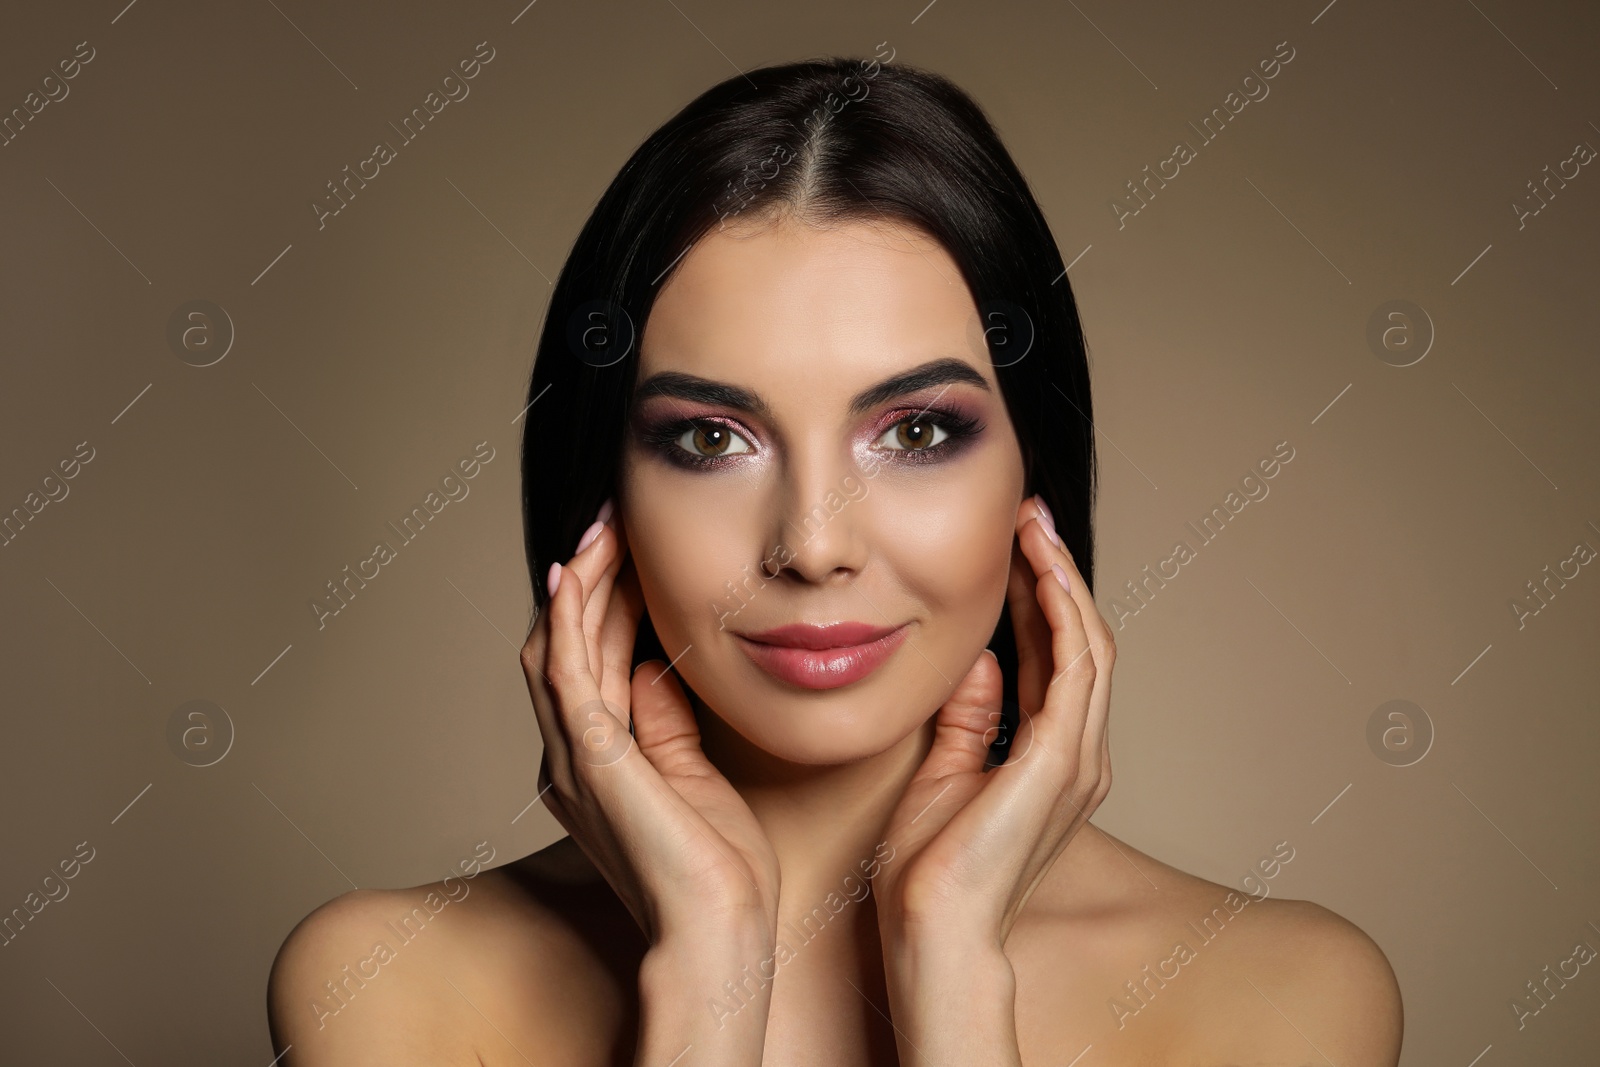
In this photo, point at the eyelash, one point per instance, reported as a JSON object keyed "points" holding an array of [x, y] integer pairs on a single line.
{"points": [[959, 429]]}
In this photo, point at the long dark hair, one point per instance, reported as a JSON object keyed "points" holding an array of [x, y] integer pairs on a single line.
{"points": [[829, 139]]}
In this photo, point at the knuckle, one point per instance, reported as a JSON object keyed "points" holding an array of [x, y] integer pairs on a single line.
{"points": [[533, 649], [1102, 785], [1087, 777], [575, 782], [562, 672], [1091, 772], [558, 780]]}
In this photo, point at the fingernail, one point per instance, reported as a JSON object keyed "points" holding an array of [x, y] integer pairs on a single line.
{"points": [[590, 534], [1061, 576], [605, 510], [1047, 521], [552, 581]]}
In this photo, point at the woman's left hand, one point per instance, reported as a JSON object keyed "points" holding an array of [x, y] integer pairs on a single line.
{"points": [[970, 847]]}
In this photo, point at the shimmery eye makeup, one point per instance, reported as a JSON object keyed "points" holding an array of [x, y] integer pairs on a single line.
{"points": [[667, 439], [679, 441], [959, 429]]}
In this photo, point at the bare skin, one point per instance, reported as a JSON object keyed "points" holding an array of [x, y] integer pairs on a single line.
{"points": [[535, 947], [852, 826]]}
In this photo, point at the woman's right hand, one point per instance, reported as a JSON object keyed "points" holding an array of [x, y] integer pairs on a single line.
{"points": [[670, 834]]}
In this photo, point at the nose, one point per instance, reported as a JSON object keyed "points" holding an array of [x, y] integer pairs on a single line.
{"points": [[821, 520]]}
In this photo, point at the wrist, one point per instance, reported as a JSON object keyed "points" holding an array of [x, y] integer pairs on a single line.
{"points": [[712, 995], [926, 939], [953, 999], [947, 959], [697, 957], [743, 933]]}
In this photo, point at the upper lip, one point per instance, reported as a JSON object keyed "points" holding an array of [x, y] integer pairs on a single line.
{"points": [[812, 636]]}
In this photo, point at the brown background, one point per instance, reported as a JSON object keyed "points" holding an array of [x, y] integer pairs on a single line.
{"points": [[374, 353]]}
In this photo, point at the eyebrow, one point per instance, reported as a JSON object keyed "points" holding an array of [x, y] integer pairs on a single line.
{"points": [[707, 391]]}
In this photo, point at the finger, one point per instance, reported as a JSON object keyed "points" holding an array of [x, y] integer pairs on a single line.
{"points": [[1012, 808], [1041, 798], [1095, 753], [1103, 647], [620, 631], [966, 722], [1099, 631], [663, 721], [542, 694], [1073, 671], [552, 800], [1096, 729], [567, 659], [1031, 632], [1104, 786], [597, 564], [604, 558], [612, 545], [595, 733]]}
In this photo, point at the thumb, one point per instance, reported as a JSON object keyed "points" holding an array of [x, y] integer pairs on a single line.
{"points": [[967, 722], [663, 721]]}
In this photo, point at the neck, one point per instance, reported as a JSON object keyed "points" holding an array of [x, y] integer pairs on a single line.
{"points": [[823, 820]]}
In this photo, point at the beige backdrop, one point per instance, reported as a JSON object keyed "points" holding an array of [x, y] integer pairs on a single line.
{"points": [[1234, 311]]}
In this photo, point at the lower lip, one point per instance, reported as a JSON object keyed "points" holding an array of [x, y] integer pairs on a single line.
{"points": [[823, 668]]}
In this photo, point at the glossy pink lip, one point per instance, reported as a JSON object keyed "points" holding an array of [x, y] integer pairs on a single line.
{"points": [[822, 657]]}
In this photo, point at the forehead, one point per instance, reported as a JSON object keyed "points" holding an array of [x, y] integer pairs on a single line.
{"points": [[793, 309]]}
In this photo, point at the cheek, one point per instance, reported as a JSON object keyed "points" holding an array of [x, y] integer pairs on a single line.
{"points": [[951, 548], [685, 557]]}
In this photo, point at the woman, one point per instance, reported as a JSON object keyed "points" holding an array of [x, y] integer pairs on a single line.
{"points": [[823, 691]]}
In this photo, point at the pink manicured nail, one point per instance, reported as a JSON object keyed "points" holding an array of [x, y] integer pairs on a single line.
{"points": [[552, 581], [590, 534], [605, 510], [1061, 576], [1047, 521]]}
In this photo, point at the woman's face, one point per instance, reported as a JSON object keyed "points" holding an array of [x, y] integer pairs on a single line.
{"points": [[778, 470]]}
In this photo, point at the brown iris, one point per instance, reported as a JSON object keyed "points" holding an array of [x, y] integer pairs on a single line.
{"points": [[711, 439], [914, 434]]}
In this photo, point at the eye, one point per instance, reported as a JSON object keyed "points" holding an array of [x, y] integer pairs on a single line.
{"points": [[709, 440], [915, 434], [930, 435], [694, 444]]}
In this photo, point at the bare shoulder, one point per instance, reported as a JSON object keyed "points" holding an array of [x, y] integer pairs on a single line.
{"points": [[1327, 983], [480, 968], [344, 985], [1180, 969]]}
